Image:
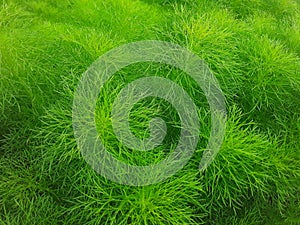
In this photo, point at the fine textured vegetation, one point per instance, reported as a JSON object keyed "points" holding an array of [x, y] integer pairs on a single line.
{"points": [[252, 47]]}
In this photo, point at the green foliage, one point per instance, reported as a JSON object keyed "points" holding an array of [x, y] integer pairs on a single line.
{"points": [[253, 49]]}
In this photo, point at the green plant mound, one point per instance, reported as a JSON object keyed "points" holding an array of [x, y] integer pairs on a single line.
{"points": [[253, 49]]}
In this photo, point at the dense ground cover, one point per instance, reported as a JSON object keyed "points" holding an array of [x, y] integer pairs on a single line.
{"points": [[252, 47]]}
